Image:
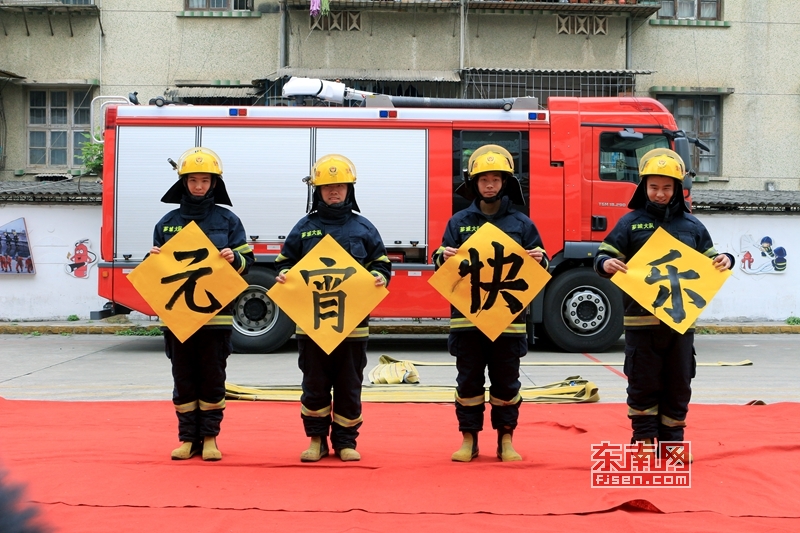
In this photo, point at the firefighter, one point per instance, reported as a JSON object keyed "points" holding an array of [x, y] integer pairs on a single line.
{"points": [[659, 361], [490, 183], [332, 211], [198, 365]]}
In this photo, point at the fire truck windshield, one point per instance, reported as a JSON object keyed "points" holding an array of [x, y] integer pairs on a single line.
{"points": [[619, 157]]}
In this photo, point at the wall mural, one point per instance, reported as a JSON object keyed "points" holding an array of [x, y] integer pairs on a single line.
{"points": [[761, 256], [81, 259], [15, 250]]}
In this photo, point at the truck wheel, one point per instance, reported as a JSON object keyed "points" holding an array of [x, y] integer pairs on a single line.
{"points": [[259, 326], [582, 311]]}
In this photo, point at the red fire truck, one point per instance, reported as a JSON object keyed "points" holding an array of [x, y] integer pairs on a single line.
{"points": [[577, 162]]}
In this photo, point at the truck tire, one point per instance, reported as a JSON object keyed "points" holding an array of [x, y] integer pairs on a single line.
{"points": [[582, 311], [259, 326]]}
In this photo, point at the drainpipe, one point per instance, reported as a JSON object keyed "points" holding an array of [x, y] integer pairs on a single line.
{"points": [[282, 36], [462, 12], [463, 23], [628, 45]]}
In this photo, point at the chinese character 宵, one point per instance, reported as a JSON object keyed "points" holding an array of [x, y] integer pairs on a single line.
{"points": [[328, 303]]}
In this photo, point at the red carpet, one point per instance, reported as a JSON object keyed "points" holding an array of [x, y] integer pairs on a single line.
{"points": [[104, 466]]}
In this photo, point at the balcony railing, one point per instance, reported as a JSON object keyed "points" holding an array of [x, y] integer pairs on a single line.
{"points": [[48, 7], [640, 9]]}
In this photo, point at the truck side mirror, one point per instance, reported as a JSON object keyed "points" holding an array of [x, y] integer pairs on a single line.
{"points": [[683, 150]]}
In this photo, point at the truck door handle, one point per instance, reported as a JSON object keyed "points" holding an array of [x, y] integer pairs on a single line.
{"points": [[599, 223]]}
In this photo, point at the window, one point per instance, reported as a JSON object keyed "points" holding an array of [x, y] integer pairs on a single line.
{"points": [[619, 157], [78, 2], [219, 5], [690, 9], [58, 120], [698, 116]]}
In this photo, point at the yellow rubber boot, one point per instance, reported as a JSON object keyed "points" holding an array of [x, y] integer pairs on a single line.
{"points": [[210, 450], [185, 451], [349, 454], [655, 454], [505, 449], [468, 450], [651, 454], [316, 450]]}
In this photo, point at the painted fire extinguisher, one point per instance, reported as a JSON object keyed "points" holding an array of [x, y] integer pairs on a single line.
{"points": [[80, 259]]}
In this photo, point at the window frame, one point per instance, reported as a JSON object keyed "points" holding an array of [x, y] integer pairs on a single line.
{"points": [[697, 12], [516, 141], [714, 137], [48, 127]]}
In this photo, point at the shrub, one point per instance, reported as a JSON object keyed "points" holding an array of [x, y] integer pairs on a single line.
{"points": [[91, 155]]}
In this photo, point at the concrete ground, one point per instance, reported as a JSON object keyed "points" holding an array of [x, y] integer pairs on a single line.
{"points": [[121, 323], [115, 367]]}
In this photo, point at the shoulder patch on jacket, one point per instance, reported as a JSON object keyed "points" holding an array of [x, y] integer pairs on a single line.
{"points": [[639, 226]]}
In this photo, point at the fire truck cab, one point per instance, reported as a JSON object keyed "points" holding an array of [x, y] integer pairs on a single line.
{"points": [[577, 162]]}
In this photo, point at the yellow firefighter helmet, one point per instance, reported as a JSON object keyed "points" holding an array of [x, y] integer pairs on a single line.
{"points": [[490, 157], [332, 169], [199, 159], [662, 162]]}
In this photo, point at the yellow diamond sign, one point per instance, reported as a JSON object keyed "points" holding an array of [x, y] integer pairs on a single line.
{"points": [[327, 293], [671, 280], [188, 283], [490, 280]]}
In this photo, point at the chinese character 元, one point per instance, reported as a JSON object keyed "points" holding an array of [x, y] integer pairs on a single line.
{"points": [[189, 286]]}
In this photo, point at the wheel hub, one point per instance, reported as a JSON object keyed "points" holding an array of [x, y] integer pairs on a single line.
{"points": [[254, 311], [585, 311]]}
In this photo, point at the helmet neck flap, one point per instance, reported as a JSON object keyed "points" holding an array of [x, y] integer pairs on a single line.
{"points": [[675, 205], [334, 210], [511, 188], [175, 193]]}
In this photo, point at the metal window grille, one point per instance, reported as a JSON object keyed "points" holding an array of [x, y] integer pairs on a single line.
{"points": [[489, 84], [219, 5], [221, 100], [509, 84]]}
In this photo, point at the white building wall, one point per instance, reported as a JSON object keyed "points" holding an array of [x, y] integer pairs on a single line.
{"points": [[747, 296], [51, 293]]}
